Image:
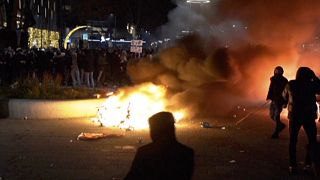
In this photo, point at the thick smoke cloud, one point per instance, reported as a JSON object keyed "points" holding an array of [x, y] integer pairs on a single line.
{"points": [[232, 51]]}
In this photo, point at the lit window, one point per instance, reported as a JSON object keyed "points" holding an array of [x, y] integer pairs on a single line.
{"points": [[41, 2], [54, 6], [51, 14], [48, 4], [45, 12], [19, 4], [38, 9]]}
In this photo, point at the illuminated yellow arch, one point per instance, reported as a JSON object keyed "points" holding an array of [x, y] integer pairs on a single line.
{"points": [[66, 40]]}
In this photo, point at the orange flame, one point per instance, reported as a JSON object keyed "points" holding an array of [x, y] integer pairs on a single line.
{"points": [[131, 107]]}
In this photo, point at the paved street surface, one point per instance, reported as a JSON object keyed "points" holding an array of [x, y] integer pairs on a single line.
{"points": [[49, 149]]}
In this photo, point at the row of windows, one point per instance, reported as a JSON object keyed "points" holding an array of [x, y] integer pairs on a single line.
{"points": [[41, 9], [51, 4]]}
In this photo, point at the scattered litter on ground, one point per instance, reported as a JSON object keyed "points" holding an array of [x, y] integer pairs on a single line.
{"points": [[25, 118], [130, 128], [140, 140], [94, 136], [51, 165], [124, 147], [22, 157], [208, 125], [242, 151], [71, 140], [128, 147], [232, 161], [205, 125]]}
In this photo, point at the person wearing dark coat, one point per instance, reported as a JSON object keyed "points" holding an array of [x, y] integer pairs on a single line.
{"points": [[165, 158], [302, 111], [277, 84], [89, 67]]}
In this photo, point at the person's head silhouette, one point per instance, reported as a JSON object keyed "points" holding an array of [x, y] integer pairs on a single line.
{"points": [[305, 74], [162, 127]]}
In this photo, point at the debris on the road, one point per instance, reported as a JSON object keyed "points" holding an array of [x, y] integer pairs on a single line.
{"points": [[242, 151], [232, 161], [140, 140], [130, 128], [25, 118], [51, 165], [124, 147], [97, 121], [223, 128], [94, 136], [71, 140], [22, 157], [205, 125], [251, 113]]}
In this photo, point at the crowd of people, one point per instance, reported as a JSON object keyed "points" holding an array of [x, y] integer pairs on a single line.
{"points": [[76, 67]]}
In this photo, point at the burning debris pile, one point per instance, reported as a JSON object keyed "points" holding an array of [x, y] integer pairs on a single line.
{"points": [[130, 108]]}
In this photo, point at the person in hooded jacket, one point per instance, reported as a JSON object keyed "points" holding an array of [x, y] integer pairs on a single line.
{"points": [[165, 158], [302, 111], [277, 85]]}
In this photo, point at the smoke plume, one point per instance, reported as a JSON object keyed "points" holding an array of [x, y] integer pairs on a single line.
{"points": [[231, 52]]}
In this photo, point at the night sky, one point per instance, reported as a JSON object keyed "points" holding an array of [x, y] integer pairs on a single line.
{"points": [[147, 14]]}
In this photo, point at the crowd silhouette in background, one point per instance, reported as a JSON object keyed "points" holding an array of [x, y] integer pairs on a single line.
{"points": [[77, 67]]}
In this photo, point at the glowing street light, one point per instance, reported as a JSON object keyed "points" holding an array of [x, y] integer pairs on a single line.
{"points": [[198, 1]]}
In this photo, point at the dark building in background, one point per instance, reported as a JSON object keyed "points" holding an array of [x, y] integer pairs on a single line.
{"points": [[28, 23]]}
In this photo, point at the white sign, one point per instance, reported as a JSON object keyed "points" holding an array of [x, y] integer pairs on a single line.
{"points": [[136, 43], [136, 49]]}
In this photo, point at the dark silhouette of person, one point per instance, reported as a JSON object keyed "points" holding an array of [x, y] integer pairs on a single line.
{"points": [[277, 85], [302, 111], [165, 158]]}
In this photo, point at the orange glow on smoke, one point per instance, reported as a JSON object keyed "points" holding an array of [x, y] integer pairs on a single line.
{"points": [[131, 107]]}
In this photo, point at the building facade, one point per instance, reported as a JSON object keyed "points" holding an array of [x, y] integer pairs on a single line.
{"points": [[36, 23]]}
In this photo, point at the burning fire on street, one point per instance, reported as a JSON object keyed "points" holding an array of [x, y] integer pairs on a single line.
{"points": [[130, 108]]}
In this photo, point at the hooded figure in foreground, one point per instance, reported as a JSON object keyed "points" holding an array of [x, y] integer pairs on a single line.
{"points": [[165, 158], [302, 111]]}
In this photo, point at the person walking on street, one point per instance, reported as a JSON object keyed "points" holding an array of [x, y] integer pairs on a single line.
{"points": [[277, 85], [302, 111]]}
